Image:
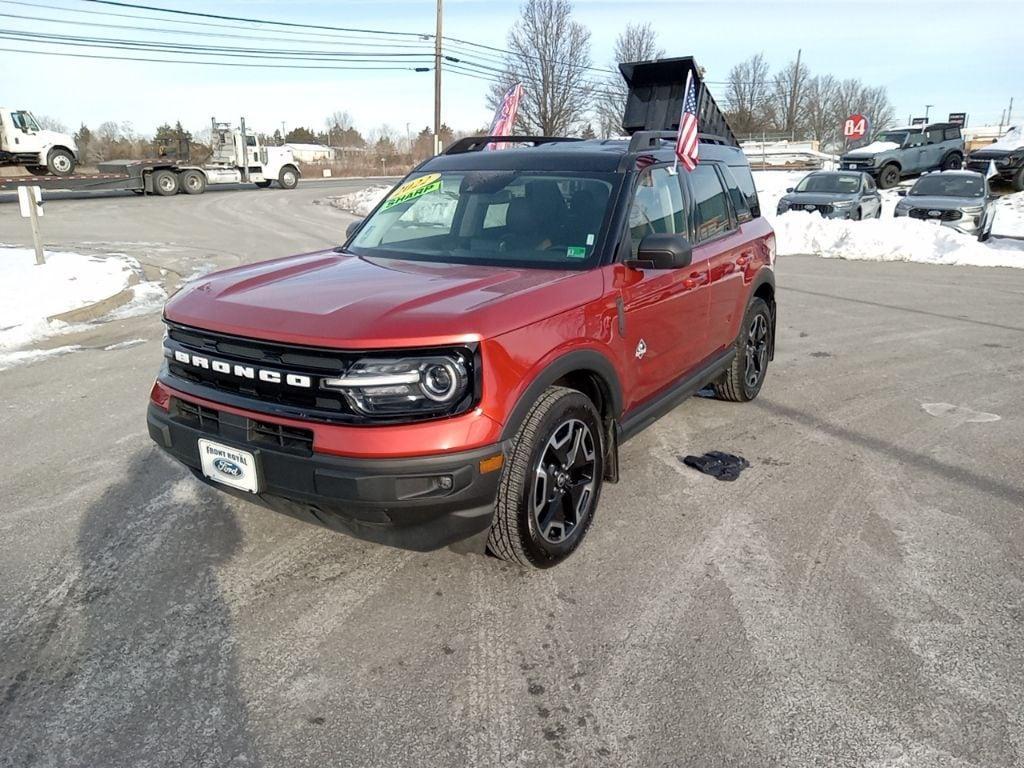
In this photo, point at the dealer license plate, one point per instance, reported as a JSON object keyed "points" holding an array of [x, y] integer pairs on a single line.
{"points": [[229, 465]]}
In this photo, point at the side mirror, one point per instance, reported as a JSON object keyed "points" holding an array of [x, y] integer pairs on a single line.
{"points": [[789, 189], [352, 228], [662, 251], [901, 192]]}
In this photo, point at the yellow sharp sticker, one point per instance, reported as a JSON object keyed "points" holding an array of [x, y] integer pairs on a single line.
{"points": [[413, 189]]}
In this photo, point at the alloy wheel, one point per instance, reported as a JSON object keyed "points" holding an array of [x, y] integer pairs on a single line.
{"points": [[564, 481], [757, 350]]}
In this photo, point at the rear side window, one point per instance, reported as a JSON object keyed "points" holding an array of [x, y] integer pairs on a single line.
{"points": [[952, 133], [739, 200], [710, 201], [657, 207], [935, 135], [745, 180]]}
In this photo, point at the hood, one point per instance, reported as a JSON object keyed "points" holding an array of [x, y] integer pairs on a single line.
{"points": [[328, 299], [1011, 141], [873, 148], [989, 153], [54, 137], [941, 203], [818, 198]]}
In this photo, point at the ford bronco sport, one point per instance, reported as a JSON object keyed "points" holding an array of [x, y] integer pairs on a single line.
{"points": [[475, 353], [902, 152]]}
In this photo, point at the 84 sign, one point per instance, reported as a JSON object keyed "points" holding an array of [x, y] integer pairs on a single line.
{"points": [[855, 127]]}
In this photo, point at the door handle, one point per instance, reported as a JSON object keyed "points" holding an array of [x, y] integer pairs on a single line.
{"points": [[695, 279]]}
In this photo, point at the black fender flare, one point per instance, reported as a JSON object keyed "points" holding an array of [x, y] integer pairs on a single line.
{"points": [[767, 277], [585, 360]]}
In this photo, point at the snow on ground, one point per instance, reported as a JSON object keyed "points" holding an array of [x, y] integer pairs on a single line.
{"points": [[362, 202], [30, 293], [888, 238]]}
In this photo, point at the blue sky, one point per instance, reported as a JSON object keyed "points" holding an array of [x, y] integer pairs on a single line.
{"points": [[959, 56]]}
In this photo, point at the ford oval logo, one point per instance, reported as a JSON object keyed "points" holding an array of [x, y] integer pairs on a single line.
{"points": [[227, 467], [934, 214]]}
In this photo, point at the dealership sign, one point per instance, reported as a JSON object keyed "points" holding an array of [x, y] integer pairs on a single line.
{"points": [[855, 127], [958, 118]]}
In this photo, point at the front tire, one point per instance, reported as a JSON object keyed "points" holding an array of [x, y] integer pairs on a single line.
{"points": [[60, 162], [262, 184], [889, 177], [745, 376], [288, 178], [1018, 180], [551, 482]]}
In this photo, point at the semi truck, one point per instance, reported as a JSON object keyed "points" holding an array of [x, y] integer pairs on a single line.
{"points": [[237, 157], [24, 142]]}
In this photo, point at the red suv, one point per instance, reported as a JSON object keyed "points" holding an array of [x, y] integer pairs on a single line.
{"points": [[476, 352]]}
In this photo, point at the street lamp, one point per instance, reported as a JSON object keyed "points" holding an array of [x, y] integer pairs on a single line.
{"points": [[927, 109]]}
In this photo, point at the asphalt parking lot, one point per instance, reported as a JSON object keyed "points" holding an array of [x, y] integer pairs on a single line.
{"points": [[856, 598]]}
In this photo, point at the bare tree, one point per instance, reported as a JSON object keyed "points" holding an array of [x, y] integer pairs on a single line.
{"points": [[853, 97], [638, 42], [747, 94], [818, 118], [340, 120], [51, 124], [549, 55]]}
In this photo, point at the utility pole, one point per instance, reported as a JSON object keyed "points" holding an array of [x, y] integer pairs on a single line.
{"points": [[1009, 113], [791, 118], [437, 80], [927, 110]]}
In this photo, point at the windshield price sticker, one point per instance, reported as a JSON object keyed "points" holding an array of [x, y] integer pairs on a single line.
{"points": [[576, 252], [413, 189]]}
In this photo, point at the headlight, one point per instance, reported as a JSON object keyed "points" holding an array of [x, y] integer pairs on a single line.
{"points": [[843, 204], [783, 205], [428, 385], [973, 210]]}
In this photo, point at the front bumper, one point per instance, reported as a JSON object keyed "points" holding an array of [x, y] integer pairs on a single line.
{"points": [[864, 166], [399, 502], [835, 213], [966, 225]]}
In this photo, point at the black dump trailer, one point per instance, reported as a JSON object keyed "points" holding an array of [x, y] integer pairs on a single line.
{"points": [[655, 100]]}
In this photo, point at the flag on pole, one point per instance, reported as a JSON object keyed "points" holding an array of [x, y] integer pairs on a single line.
{"points": [[992, 171], [686, 141], [505, 115]]}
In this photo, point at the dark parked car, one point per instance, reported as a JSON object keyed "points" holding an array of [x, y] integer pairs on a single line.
{"points": [[1006, 155], [907, 151], [835, 195], [957, 199]]}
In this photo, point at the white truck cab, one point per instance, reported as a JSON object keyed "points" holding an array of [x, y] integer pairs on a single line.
{"points": [[24, 142], [235, 152]]}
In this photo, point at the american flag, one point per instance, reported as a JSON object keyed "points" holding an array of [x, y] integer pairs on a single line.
{"points": [[505, 115], [686, 142]]}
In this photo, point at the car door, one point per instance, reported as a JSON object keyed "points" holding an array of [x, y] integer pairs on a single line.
{"points": [[720, 242], [663, 313], [915, 155]]}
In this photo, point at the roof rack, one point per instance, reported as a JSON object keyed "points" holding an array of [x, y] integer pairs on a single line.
{"points": [[477, 143], [646, 140]]}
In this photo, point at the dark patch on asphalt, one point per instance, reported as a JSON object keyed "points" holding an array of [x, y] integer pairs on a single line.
{"points": [[448, 650], [821, 354], [318, 720], [720, 465], [535, 689]]}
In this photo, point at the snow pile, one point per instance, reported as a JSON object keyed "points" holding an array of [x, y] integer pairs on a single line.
{"points": [[30, 294], [361, 202], [1012, 140], [888, 238]]}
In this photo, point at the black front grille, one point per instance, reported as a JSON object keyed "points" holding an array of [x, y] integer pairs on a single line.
{"points": [[266, 376], [279, 436], [241, 429], [925, 213]]}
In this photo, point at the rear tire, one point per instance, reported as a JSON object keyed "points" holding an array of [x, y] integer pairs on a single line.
{"points": [[192, 182], [745, 376], [60, 162], [889, 177], [288, 178], [551, 481], [37, 170], [165, 183], [952, 162]]}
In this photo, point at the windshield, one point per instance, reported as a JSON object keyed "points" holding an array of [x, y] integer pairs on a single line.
{"points": [[507, 218], [950, 186], [896, 137], [24, 121], [835, 183]]}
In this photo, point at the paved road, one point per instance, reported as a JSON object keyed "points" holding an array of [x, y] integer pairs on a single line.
{"points": [[854, 599]]}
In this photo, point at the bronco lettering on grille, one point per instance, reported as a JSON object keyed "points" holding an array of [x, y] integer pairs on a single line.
{"points": [[243, 371]]}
